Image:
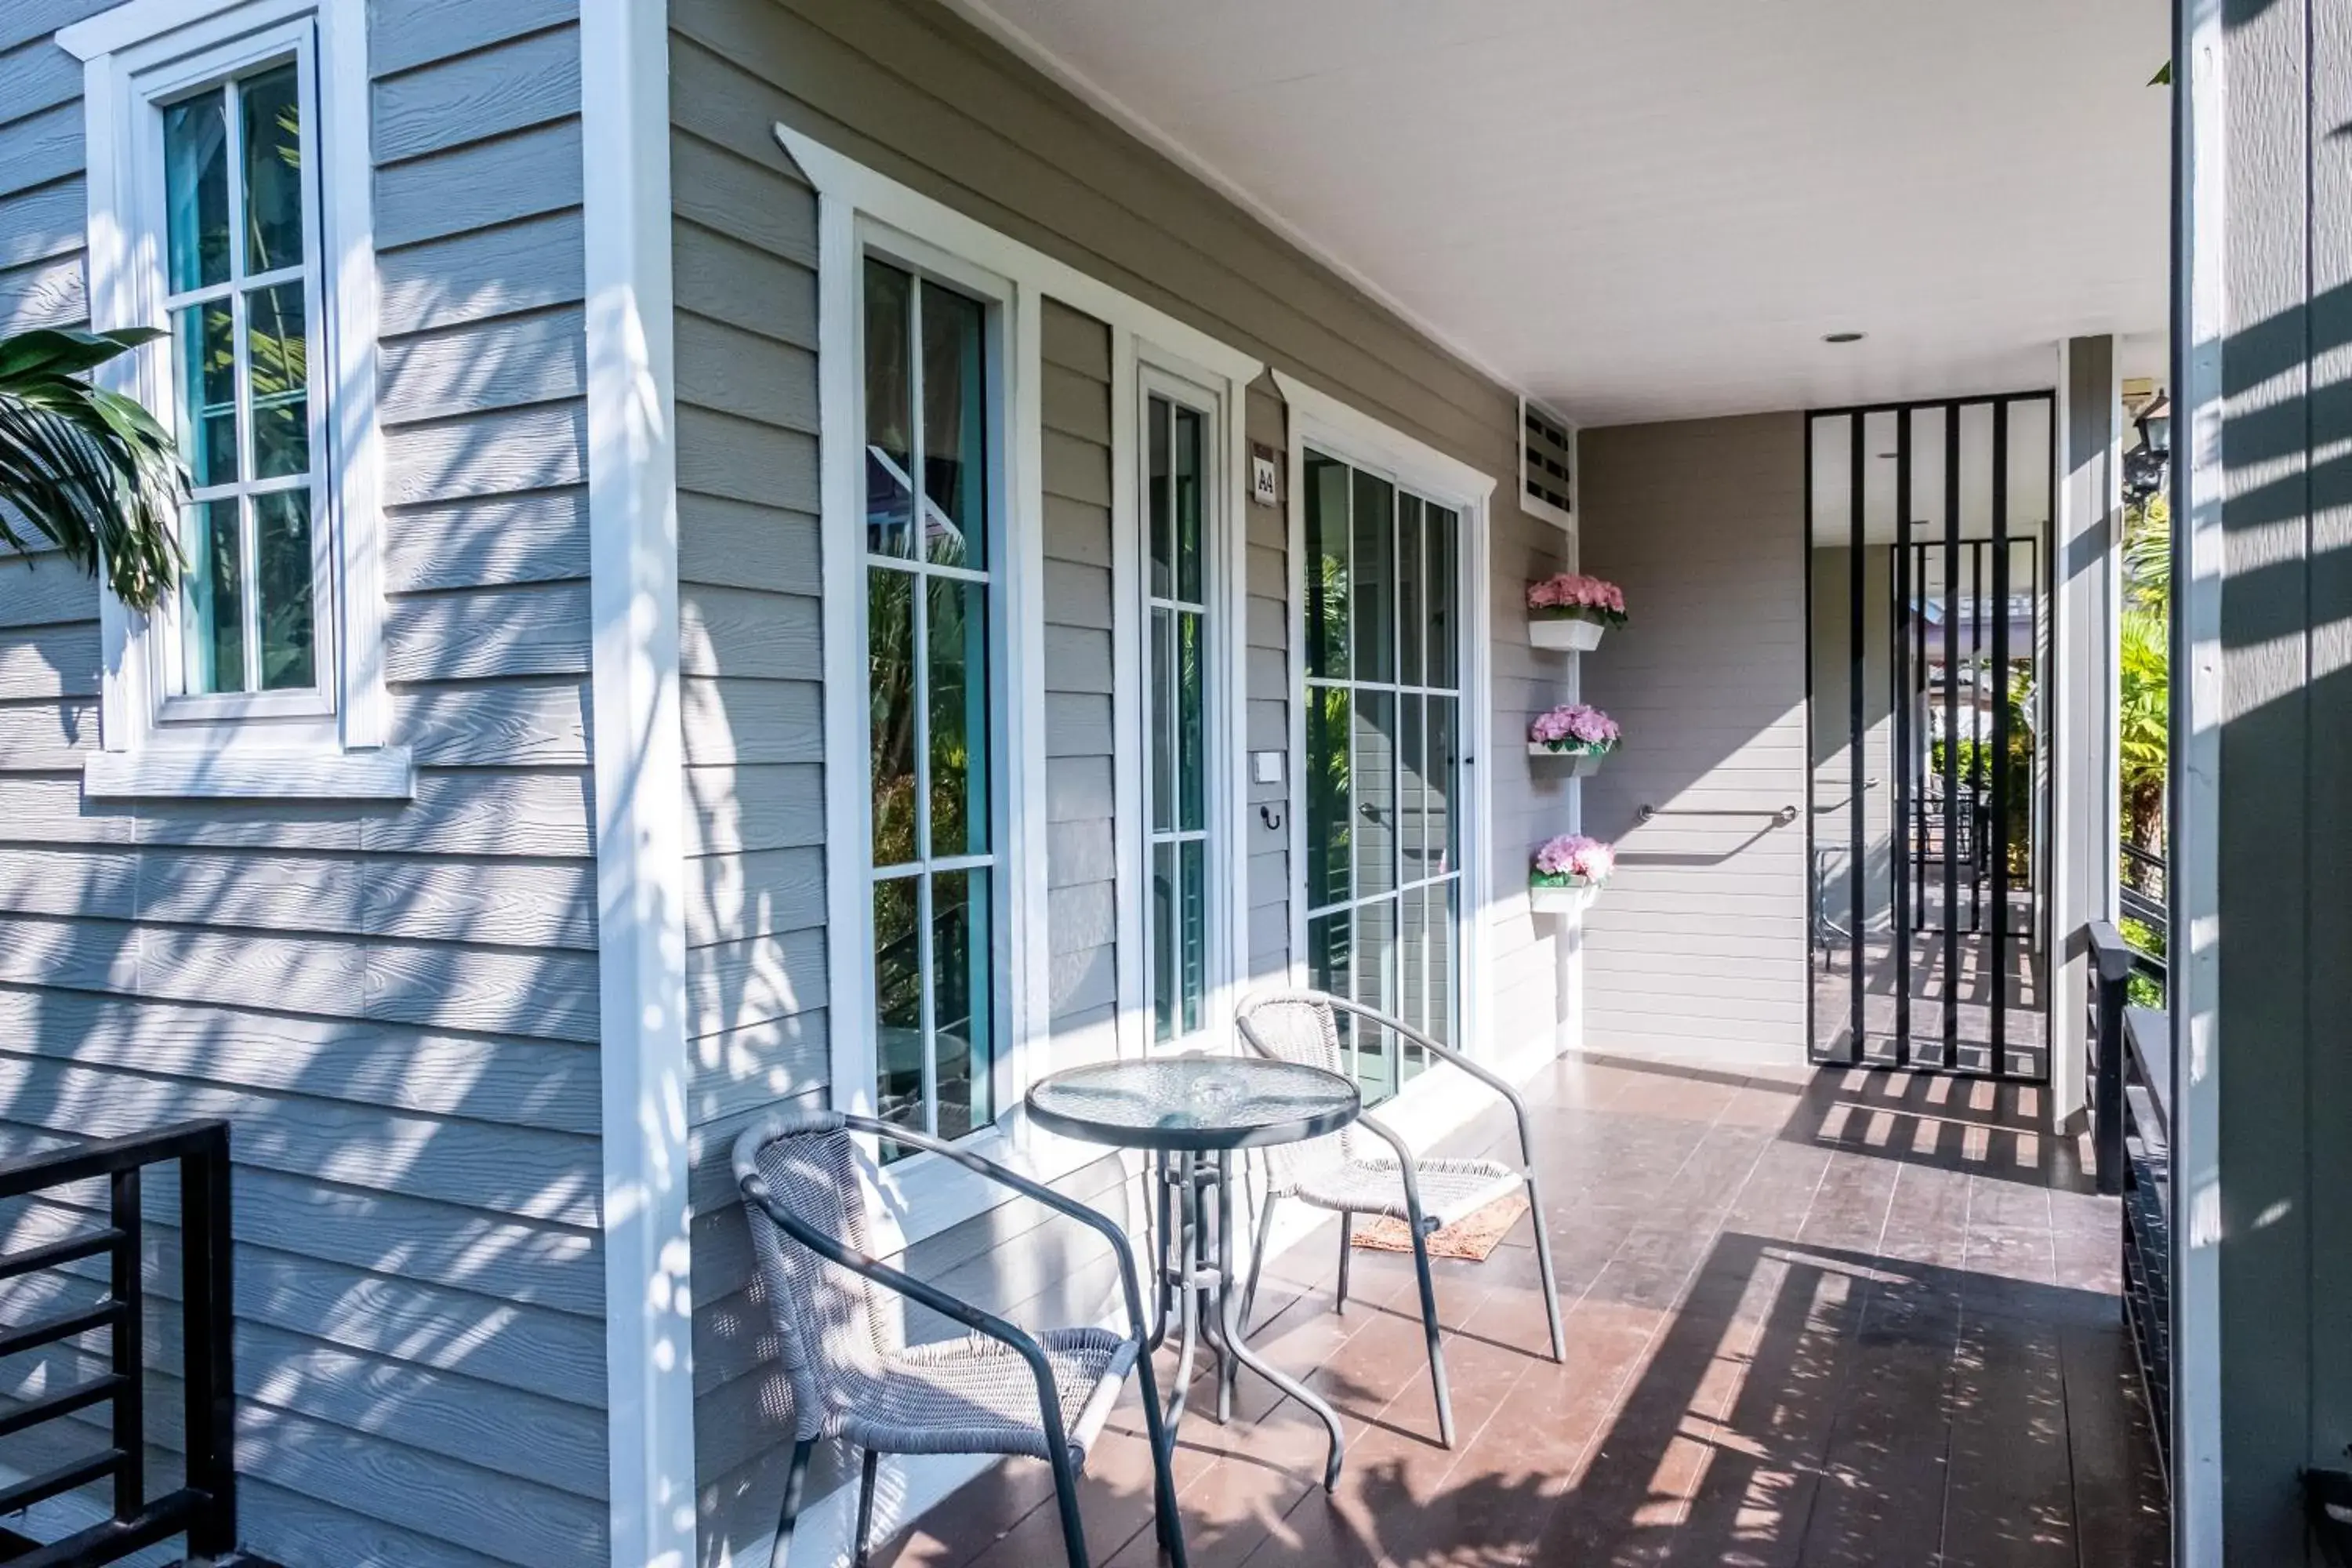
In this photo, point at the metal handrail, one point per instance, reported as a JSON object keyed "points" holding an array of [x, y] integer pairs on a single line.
{"points": [[205, 1509], [1782, 816]]}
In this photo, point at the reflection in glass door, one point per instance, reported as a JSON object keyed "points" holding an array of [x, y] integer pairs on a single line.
{"points": [[1382, 769], [1176, 712]]}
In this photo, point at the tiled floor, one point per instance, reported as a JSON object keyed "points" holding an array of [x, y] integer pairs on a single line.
{"points": [[1852, 1319]]}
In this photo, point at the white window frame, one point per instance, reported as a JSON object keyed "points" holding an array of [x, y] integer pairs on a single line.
{"points": [[330, 742], [859, 208], [1327, 424]]}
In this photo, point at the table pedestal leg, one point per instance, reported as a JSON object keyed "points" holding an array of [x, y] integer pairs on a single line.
{"points": [[1184, 1278], [1228, 1313]]}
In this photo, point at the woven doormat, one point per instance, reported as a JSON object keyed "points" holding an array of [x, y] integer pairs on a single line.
{"points": [[1472, 1238]]}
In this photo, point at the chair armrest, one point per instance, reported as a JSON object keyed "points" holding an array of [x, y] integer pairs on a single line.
{"points": [[834, 1250], [1486, 1076], [1405, 1166], [980, 1165]]}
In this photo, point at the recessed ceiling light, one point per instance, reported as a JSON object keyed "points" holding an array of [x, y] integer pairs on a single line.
{"points": [[1841, 337]]}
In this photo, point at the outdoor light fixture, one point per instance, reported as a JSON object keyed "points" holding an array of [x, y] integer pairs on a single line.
{"points": [[2145, 465]]}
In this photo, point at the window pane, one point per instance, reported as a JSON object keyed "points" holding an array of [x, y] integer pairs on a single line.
{"points": [[281, 529], [1413, 795], [1162, 501], [1375, 977], [1442, 772], [1187, 506], [959, 697], [1163, 942], [1413, 970], [196, 183], [955, 427], [1441, 585], [1375, 578], [213, 596], [890, 650], [889, 416], [207, 347], [1327, 568], [1329, 945], [277, 359], [1192, 929], [1162, 719], [1191, 739], [960, 1000], [1443, 911], [899, 1004], [1375, 803], [273, 169], [1409, 609], [1326, 791]]}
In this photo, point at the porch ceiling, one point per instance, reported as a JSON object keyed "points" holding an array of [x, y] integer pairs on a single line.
{"points": [[1652, 211]]}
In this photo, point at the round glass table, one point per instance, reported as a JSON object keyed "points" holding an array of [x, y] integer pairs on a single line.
{"points": [[1195, 1114]]}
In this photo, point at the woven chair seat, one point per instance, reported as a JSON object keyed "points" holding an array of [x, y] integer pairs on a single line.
{"points": [[976, 1395], [1371, 1183]]}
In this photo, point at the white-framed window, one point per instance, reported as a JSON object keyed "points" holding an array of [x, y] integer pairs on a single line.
{"points": [[1546, 465], [228, 204], [931, 410]]}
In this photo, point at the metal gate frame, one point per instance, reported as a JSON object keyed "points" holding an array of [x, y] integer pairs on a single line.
{"points": [[1908, 654]]}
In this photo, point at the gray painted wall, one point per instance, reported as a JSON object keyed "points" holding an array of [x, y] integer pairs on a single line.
{"points": [[2262, 749], [397, 1006], [1698, 948], [911, 90]]}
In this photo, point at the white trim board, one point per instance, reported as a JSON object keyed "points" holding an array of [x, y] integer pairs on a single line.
{"points": [[640, 790]]}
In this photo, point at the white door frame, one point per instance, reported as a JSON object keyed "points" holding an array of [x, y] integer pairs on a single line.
{"points": [[1318, 420]]}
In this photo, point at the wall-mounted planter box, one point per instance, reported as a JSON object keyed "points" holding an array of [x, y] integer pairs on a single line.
{"points": [[1575, 765], [1566, 897], [1565, 634]]}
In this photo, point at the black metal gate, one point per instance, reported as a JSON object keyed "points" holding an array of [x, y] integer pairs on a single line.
{"points": [[1927, 688]]}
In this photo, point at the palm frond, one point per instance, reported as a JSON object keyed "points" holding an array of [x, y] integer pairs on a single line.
{"points": [[86, 469]]}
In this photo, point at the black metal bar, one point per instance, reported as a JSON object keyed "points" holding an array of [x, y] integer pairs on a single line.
{"points": [[1857, 728], [49, 1330], [1898, 859], [1997, 955], [1813, 900], [127, 1349], [1951, 737], [2111, 969], [51, 1483], [1977, 781], [81, 1396], [1916, 763], [1901, 405], [38, 1173], [208, 1299], [115, 1538], [72, 1249]]}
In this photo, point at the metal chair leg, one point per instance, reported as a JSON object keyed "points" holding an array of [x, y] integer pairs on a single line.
{"points": [[1257, 1258], [1429, 1330], [1065, 1497], [1543, 1268], [1347, 1250], [795, 1478], [1170, 1526], [866, 1506]]}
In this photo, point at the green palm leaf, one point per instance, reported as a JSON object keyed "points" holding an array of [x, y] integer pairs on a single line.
{"points": [[86, 469]]}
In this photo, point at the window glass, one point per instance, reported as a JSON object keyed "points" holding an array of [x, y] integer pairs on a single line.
{"points": [[240, 272], [929, 634], [1327, 567]]}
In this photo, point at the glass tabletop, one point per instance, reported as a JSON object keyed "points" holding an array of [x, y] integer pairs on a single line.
{"points": [[1194, 1102]]}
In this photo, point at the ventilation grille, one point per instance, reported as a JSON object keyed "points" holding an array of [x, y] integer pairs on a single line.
{"points": [[1547, 453]]}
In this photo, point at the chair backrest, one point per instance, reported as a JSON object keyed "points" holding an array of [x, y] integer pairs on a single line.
{"points": [[833, 1336], [1299, 1026]]}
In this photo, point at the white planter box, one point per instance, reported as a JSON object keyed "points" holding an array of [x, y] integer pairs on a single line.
{"points": [[1575, 765], [1564, 634], [1572, 899]]}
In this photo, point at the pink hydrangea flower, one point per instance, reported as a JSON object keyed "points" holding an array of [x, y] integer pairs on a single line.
{"points": [[1572, 855], [1575, 591], [1573, 726]]}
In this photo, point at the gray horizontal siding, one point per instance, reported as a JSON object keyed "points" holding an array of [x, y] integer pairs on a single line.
{"points": [[1698, 947], [394, 1006]]}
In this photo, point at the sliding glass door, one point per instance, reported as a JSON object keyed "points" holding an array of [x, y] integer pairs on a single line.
{"points": [[1382, 770]]}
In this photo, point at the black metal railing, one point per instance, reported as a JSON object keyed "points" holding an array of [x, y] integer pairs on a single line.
{"points": [[205, 1505], [2146, 919], [2131, 1140]]}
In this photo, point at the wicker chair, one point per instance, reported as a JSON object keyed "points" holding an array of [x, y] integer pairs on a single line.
{"points": [[1340, 1173], [997, 1391]]}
